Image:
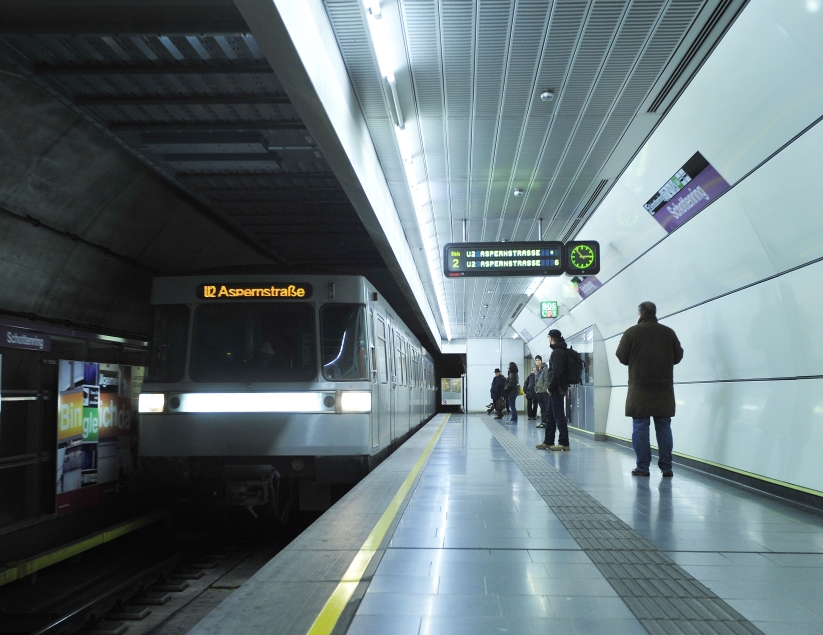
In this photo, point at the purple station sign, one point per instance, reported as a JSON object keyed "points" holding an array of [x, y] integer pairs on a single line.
{"points": [[692, 188], [17, 338], [589, 285]]}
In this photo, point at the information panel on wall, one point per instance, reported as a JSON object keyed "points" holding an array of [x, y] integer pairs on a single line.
{"points": [[526, 259], [549, 309], [503, 259]]}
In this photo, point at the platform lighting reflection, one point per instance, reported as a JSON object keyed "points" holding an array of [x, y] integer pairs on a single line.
{"points": [[151, 402], [419, 191], [533, 285]]}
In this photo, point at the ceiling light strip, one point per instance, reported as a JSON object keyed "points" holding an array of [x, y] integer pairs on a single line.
{"points": [[424, 212]]}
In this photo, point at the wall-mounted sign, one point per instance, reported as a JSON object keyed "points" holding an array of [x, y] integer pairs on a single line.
{"points": [[549, 309], [14, 338], [692, 188], [242, 291], [588, 286], [582, 258]]}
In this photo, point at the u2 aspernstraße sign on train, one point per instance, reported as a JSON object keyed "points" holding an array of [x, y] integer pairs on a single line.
{"points": [[29, 340], [526, 258], [241, 291]]}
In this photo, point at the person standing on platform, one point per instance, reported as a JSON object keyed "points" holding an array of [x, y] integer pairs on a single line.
{"points": [[541, 389], [558, 386], [497, 395], [531, 396], [512, 382], [650, 350]]}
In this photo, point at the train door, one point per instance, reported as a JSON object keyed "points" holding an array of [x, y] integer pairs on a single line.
{"points": [[383, 386]]}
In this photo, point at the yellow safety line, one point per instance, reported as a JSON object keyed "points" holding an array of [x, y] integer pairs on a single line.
{"points": [[22, 568], [327, 618]]}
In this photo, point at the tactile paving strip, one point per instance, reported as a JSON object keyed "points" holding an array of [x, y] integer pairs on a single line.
{"points": [[662, 596]]}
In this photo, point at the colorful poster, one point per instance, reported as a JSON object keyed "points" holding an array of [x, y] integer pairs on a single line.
{"points": [[96, 432], [692, 188]]}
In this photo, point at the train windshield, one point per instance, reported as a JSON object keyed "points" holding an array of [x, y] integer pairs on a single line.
{"points": [[254, 343], [170, 329], [343, 336]]}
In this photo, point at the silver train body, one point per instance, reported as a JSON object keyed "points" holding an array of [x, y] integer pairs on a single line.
{"points": [[254, 378]]}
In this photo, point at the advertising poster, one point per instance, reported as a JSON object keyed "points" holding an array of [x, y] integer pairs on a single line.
{"points": [[96, 432]]}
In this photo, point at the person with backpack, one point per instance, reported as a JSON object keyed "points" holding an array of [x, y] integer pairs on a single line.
{"points": [[558, 385]]}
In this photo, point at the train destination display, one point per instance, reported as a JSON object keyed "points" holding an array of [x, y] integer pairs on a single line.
{"points": [[521, 259], [238, 291], [503, 259]]}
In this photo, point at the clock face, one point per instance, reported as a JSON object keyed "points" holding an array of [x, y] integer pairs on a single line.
{"points": [[582, 256]]}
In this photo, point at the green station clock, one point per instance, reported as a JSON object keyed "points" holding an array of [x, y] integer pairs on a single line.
{"points": [[582, 258]]}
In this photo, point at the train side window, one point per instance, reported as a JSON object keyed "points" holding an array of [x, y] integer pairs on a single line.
{"points": [[170, 331], [382, 358], [343, 341]]}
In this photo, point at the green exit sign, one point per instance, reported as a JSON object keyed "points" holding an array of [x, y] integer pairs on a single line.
{"points": [[549, 309]]}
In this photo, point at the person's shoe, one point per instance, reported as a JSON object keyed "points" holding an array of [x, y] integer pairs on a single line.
{"points": [[498, 417], [489, 411], [560, 448], [639, 473], [542, 446], [540, 425], [668, 474], [511, 423]]}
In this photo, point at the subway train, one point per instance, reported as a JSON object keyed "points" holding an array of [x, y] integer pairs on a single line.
{"points": [[262, 390]]}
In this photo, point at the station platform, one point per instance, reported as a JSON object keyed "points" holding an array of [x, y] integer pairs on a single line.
{"points": [[468, 529]]}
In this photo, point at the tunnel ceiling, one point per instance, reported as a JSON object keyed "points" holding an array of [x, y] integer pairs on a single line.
{"points": [[184, 87]]}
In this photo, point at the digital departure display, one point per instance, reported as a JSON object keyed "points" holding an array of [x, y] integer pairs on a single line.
{"points": [[251, 290], [582, 258], [503, 259]]}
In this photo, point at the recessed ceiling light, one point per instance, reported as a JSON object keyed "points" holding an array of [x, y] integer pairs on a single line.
{"points": [[518, 192], [547, 95]]}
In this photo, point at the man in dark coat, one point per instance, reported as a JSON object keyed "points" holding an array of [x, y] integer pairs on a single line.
{"points": [[650, 350], [497, 392], [558, 386]]}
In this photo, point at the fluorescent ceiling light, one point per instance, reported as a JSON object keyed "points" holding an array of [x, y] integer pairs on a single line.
{"points": [[379, 37]]}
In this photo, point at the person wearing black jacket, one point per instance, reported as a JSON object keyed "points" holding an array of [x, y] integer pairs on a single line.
{"points": [[512, 382], [531, 395], [558, 386], [497, 394]]}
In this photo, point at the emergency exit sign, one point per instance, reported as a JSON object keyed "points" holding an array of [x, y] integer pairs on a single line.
{"points": [[549, 309]]}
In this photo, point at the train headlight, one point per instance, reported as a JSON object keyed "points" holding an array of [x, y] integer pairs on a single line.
{"points": [[149, 402], [351, 401]]}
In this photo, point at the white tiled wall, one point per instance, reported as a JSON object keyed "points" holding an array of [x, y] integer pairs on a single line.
{"points": [[749, 319]]}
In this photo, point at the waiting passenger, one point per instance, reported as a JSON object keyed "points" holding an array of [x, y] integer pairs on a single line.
{"points": [[558, 386], [511, 390], [541, 389], [650, 350], [531, 396], [497, 394]]}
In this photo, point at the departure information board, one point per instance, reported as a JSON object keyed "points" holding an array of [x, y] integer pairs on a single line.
{"points": [[503, 259]]}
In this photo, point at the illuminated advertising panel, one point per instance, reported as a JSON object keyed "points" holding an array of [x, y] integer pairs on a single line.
{"points": [[96, 432]]}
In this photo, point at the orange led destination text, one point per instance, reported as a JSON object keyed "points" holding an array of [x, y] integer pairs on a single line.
{"points": [[291, 291]]}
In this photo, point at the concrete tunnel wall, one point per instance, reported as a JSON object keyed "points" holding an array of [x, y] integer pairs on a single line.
{"points": [[59, 169]]}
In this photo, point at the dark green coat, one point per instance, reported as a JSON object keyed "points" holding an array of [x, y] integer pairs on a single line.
{"points": [[650, 350]]}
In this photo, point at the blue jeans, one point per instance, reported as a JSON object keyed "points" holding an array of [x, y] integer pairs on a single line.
{"points": [[511, 399], [642, 448], [556, 420]]}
